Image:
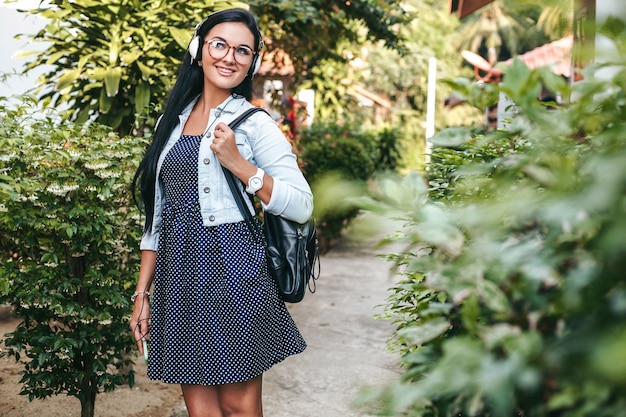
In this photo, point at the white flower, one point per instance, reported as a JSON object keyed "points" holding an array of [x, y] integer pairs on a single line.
{"points": [[107, 174], [96, 166], [61, 190]]}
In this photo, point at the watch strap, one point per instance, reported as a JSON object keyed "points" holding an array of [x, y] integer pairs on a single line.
{"points": [[233, 181], [259, 174]]}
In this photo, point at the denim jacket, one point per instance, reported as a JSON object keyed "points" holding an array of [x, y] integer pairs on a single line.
{"points": [[261, 142]]}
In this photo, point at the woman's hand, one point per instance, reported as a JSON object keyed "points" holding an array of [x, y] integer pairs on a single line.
{"points": [[140, 320], [224, 146]]}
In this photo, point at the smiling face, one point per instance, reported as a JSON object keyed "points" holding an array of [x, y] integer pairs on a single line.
{"points": [[227, 72]]}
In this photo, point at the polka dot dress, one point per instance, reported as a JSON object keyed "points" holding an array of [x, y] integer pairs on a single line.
{"points": [[216, 314]]}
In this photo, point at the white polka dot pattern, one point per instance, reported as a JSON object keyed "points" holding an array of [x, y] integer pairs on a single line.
{"points": [[216, 314]]}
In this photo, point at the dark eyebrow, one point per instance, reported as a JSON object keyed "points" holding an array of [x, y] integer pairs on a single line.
{"points": [[219, 38]]}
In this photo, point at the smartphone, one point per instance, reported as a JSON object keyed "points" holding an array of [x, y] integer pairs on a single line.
{"points": [[145, 343]]}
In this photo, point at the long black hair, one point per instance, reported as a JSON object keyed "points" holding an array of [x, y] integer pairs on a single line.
{"points": [[188, 86]]}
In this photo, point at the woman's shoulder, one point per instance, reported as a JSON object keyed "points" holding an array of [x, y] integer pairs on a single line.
{"points": [[257, 114]]}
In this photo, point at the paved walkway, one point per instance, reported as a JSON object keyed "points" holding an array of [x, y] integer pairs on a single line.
{"points": [[346, 346]]}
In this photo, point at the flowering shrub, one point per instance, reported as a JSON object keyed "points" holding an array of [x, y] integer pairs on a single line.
{"points": [[68, 252]]}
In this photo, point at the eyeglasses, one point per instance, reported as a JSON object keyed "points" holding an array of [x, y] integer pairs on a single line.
{"points": [[218, 49]]}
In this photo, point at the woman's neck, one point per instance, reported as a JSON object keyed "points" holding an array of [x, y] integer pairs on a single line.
{"points": [[211, 98]]}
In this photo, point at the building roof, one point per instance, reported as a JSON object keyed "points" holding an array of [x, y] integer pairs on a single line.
{"points": [[466, 7], [557, 55]]}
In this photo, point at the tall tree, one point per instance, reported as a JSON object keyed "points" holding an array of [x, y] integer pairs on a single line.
{"points": [[501, 29], [557, 20]]}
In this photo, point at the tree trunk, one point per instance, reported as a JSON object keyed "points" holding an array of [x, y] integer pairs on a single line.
{"points": [[87, 406], [88, 389]]}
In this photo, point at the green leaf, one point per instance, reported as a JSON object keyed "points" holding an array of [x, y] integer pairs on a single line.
{"points": [[470, 313], [98, 73], [105, 102], [423, 333], [180, 36], [142, 97], [129, 57], [24, 54], [67, 79], [112, 79], [146, 71], [451, 137], [493, 296], [53, 58]]}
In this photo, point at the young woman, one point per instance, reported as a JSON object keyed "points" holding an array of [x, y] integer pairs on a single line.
{"points": [[216, 322]]}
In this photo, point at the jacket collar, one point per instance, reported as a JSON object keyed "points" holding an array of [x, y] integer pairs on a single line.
{"points": [[224, 106]]}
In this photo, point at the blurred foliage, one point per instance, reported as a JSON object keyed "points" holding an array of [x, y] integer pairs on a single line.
{"points": [[510, 27], [291, 24], [557, 17], [512, 294], [68, 252], [338, 161], [402, 76], [398, 76]]}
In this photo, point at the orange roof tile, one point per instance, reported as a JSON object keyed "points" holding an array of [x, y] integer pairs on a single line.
{"points": [[557, 55]]}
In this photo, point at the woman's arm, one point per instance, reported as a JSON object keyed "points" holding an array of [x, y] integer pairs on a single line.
{"points": [[140, 319], [285, 191], [225, 148]]}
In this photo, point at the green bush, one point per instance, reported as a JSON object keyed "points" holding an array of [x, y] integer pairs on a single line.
{"points": [[68, 252], [512, 297], [338, 161]]}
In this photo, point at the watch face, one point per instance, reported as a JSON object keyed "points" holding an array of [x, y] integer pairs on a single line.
{"points": [[256, 182]]}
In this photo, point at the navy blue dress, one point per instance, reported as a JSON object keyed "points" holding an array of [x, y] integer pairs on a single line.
{"points": [[216, 314]]}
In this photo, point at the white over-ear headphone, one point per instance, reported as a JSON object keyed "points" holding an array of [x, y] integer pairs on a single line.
{"points": [[196, 41]]}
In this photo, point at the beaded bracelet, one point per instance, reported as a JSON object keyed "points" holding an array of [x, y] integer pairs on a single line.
{"points": [[137, 293]]}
